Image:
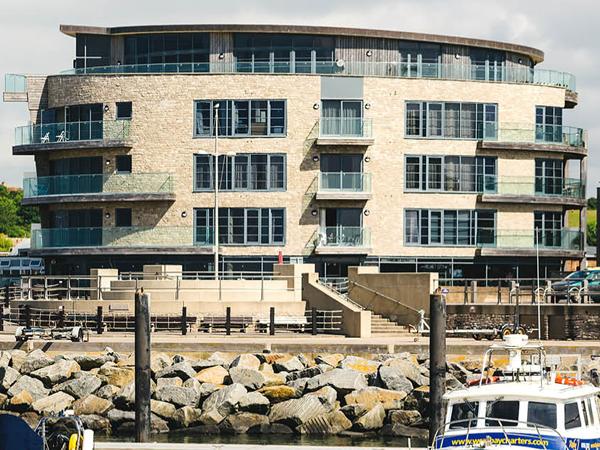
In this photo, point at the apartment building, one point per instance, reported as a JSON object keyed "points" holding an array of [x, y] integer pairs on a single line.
{"points": [[335, 146]]}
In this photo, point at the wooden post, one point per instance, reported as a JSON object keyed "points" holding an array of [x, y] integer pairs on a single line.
{"points": [[142, 367], [61, 317], [228, 320], [28, 316], [474, 291], [272, 321], [99, 320], [437, 364], [184, 320]]}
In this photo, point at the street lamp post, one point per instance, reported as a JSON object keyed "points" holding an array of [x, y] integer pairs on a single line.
{"points": [[216, 178]]}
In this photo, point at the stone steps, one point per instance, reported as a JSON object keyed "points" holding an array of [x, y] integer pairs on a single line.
{"points": [[383, 326]]}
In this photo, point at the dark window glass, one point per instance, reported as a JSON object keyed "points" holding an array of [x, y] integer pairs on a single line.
{"points": [[542, 414], [506, 413], [123, 217], [124, 163], [572, 418], [413, 172], [464, 414], [239, 226], [123, 110]]}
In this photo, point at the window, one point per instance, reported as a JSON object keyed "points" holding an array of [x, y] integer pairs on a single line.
{"points": [[464, 414], [242, 172], [178, 51], [241, 226], [241, 118], [123, 217], [549, 176], [585, 414], [451, 120], [123, 110], [419, 59], [124, 163], [590, 410], [341, 118], [542, 414], [572, 418], [549, 228], [449, 227], [548, 124], [450, 173], [502, 412]]}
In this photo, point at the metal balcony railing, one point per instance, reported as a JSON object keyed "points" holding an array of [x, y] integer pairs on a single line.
{"points": [[50, 133], [126, 183], [344, 236], [553, 187], [344, 182], [543, 134], [487, 72], [345, 127]]}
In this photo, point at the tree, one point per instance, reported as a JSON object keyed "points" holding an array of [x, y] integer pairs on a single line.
{"points": [[15, 219], [591, 233], [5, 243], [592, 202]]}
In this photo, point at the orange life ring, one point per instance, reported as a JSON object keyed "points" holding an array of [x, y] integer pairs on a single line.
{"points": [[486, 380], [569, 381]]}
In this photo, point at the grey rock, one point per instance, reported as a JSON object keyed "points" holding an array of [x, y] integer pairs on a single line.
{"points": [[35, 360], [186, 416], [408, 418], [342, 380], [179, 396], [240, 423], [81, 386], [182, 370], [359, 364], [125, 398], [299, 384], [97, 423], [173, 381], [254, 402], [220, 359], [306, 373], [17, 358], [354, 411], [246, 360], [57, 372], [331, 423], [162, 409], [295, 412], [5, 358], [206, 389], [203, 364], [404, 431], [8, 376], [118, 416], [371, 420], [33, 386], [89, 362], [158, 362], [393, 378], [410, 370], [221, 403], [191, 383], [327, 395], [292, 364], [179, 359], [53, 404], [107, 391], [251, 379]]}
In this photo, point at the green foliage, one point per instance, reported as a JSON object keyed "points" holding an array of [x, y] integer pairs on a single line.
{"points": [[591, 233], [15, 219], [5, 243], [592, 203]]}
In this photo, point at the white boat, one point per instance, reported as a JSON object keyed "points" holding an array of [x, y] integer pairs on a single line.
{"points": [[525, 405]]}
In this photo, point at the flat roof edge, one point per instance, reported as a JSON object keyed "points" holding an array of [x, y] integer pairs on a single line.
{"points": [[536, 54]]}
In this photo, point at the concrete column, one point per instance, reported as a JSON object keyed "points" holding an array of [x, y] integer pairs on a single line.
{"points": [[437, 363]]}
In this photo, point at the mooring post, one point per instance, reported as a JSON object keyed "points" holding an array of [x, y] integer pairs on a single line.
{"points": [[272, 321], [99, 320], [142, 367], [437, 363], [28, 316], [61, 317], [228, 320], [184, 320]]}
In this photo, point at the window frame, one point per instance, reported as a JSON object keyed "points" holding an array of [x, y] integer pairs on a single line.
{"points": [[117, 116]]}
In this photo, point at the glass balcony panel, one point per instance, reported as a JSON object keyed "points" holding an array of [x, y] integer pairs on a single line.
{"points": [[49, 133], [551, 187], [564, 239], [344, 236], [15, 83], [345, 127], [345, 181], [543, 134]]}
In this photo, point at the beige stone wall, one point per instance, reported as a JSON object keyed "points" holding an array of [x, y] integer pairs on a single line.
{"points": [[162, 136]]}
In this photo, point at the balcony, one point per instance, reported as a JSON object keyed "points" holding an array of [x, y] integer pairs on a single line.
{"points": [[344, 186], [345, 131], [490, 72], [559, 243], [567, 191], [72, 135], [548, 138], [98, 187], [15, 88], [107, 240], [343, 240]]}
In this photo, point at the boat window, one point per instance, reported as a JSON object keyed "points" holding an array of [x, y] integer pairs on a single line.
{"points": [[507, 413], [585, 413], [572, 419], [465, 414], [590, 408], [542, 414]]}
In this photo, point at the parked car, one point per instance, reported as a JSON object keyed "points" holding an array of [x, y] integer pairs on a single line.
{"points": [[568, 288]]}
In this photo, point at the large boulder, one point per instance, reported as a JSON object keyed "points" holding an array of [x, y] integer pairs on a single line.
{"points": [[251, 379], [410, 370], [115, 375], [295, 412], [53, 404], [92, 405], [343, 381], [21, 402], [221, 358], [393, 378], [277, 394], [372, 419], [247, 361], [179, 396], [221, 403], [35, 360], [117, 416], [173, 381], [327, 395], [159, 361], [186, 416], [254, 402], [206, 389], [332, 359], [359, 364], [162, 409], [5, 358], [239, 423], [212, 375], [182, 370], [107, 391], [97, 423], [82, 385], [57, 372], [288, 364], [8, 376], [17, 358], [372, 396], [89, 362], [402, 417], [32, 385], [331, 423], [200, 364], [125, 398]]}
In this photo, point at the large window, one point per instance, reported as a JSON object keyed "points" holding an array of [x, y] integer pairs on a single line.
{"points": [[241, 226], [572, 417], [242, 172], [462, 228], [420, 59], [548, 123], [464, 415], [241, 118], [549, 176], [451, 120], [549, 226], [168, 48], [541, 413], [502, 413], [450, 173], [341, 118]]}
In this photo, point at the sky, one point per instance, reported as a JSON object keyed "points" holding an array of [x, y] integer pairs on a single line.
{"points": [[566, 32]]}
